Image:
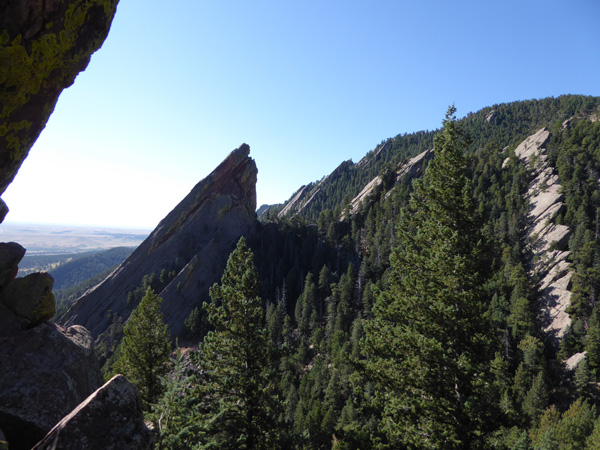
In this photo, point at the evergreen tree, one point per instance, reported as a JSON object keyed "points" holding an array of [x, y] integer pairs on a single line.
{"points": [[235, 360], [428, 344], [146, 348]]}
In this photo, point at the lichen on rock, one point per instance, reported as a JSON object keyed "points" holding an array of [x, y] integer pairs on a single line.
{"points": [[43, 46]]}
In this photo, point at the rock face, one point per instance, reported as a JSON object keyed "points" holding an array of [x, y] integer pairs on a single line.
{"points": [[306, 195], [192, 244], [43, 46], [548, 241], [411, 169], [31, 298], [109, 419], [46, 372]]}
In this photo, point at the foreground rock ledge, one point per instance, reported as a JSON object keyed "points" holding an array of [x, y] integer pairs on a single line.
{"points": [[109, 419]]}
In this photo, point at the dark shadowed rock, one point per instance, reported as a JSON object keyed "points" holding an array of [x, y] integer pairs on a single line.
{"points": [[192, 243], [46, 372], [3, 210], [11, 254], [43, 46], [31, 298], [109, 419]]}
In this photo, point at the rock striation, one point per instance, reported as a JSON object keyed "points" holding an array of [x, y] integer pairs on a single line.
{"points": [[192, 243], [548, 241], [109, 419]]}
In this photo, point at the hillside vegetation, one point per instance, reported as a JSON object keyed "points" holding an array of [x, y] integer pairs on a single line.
{"points": [[414, 322]]}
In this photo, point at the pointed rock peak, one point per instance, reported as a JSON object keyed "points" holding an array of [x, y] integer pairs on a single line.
{"points": [[190, 247]]}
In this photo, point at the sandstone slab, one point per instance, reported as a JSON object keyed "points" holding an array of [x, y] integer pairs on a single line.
{"points": [[531, 146]]}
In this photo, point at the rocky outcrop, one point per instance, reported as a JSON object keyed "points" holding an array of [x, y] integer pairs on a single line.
{"points": [[109, 419], [11, 254], [43, 46], [192, 244], [31, 298], [46, 372], [307, 195], [410, 169], [548, 241]]}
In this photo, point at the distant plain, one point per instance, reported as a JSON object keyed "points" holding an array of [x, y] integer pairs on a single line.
{"points": [[39, 239]]}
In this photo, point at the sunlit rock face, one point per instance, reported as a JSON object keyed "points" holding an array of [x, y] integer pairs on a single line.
{"points": [[187, 251], [548, 242], [43, 46]]}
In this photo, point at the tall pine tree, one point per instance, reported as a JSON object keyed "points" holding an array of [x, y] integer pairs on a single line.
{"points": [[146, 348], [237, 379], [427, 345]]}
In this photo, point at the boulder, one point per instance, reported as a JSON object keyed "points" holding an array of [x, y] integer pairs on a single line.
{"points": [[46, 372], [109, 419], [31, 298], [11, 254]]}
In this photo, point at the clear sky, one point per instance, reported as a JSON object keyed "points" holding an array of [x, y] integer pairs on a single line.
{"points": [[307, 84]]}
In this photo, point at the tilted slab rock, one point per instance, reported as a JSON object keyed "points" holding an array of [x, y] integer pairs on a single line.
{"points": [[204, 226], [555, 236], [554, 303], [46, 371], [544, 219], [109, 419], [411, 169], [548, 261], [531, 146], [563, 282], [544, 200], [547, 241], [573, 362], [559, 271]]}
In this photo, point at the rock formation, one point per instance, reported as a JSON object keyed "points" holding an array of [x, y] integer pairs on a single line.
{"points": [[109, 419], [46, 372], [548, 241], [192, 243], [306, 195], [43, 46], [412, 168]]}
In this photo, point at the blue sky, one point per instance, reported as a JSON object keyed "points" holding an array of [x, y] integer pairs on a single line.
{"points": [[307, 84]]}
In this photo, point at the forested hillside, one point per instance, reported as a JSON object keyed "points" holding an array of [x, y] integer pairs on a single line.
{"points": [[416, 321]]}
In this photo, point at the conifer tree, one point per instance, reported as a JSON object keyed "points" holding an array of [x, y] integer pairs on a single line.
{"points": [[427, 345], [237, 380], [146, 348]]}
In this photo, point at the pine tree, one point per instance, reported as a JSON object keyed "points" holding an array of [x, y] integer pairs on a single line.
{"points": [[237, 379], [146, 348], [428, 344]]}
